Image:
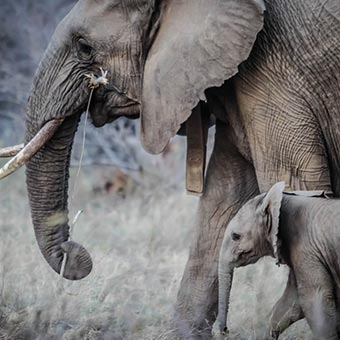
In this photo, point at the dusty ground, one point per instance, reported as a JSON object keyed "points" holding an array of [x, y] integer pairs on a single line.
{"points": [[139, 247]]}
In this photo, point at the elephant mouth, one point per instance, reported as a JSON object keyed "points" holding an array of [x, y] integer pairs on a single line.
{"points": [[243, 258], [247, 258], [102, 114]]}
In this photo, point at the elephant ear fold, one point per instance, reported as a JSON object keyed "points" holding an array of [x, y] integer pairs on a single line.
{"points": [[199, 44], [270, 209]]}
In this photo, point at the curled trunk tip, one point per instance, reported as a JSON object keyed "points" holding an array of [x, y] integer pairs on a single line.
{"points": [[78, 262], [54, 241]]}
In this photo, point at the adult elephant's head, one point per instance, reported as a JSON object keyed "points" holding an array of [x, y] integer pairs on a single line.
{"points": [[160, 57]]}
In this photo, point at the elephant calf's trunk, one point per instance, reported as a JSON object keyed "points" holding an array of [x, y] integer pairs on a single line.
{"points": [[225, 278]]}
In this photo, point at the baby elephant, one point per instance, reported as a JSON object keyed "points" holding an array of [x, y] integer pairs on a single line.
{"points": [[300, 231]]}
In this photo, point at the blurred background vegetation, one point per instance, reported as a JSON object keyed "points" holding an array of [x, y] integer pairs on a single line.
{"points": [[25, 30]]}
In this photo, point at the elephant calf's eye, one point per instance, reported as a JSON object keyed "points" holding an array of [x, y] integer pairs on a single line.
{"points": [[85, 51], [235, 236]]}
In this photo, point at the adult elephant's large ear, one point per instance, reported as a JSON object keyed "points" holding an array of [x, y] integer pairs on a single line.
{"points": [[200, 44]]}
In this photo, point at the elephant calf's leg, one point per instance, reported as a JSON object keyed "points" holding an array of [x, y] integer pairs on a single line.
{"points": [[316, 294], [231, 181], [286, 311]]}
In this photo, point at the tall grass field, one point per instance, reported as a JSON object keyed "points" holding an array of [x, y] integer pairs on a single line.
{"points": [[139, 244]]}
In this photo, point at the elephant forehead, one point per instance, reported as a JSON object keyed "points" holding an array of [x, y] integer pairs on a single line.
{"points": [[126, 12], [127, 4], [248, 215], [244, 217], [105, 20]]}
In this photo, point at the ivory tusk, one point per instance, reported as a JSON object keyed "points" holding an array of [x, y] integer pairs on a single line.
{"points": [[11, 151], [31, 148]]}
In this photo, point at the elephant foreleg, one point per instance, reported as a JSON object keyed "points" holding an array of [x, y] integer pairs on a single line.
{"points": [[316, 294], [286, 311], [231, 181]]}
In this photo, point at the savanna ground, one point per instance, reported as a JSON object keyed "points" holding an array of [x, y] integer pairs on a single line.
{"points": [[139, 245]]}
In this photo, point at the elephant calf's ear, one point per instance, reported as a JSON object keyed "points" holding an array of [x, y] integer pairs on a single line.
{"points": [[200, 44], [271, 206]]}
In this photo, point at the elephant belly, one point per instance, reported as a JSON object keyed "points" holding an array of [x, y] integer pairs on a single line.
{"points": [[285, 139]]}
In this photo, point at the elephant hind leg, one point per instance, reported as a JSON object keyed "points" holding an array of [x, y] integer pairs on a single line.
{"points": [[231, 181], [286, 311]]}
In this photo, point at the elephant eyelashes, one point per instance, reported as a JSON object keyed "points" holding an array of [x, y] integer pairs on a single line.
{"points": [[235, 236], [85, 51]]}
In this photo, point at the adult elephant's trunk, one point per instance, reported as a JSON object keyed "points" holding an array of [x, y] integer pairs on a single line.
{"points": [[225, 278], [47, 182], [48, 171]]}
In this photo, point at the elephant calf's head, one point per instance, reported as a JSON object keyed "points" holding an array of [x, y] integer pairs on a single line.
{"points": [[253, 232], [250, 235]]}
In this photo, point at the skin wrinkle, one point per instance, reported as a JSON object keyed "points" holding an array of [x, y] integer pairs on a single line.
{"points": [[52, 197], [313, 243], [40, 84], [312, 246], [215, 211], [48, 74], [301, 102], [324, 246], [282, 152], [63, 96], [229, 209]]}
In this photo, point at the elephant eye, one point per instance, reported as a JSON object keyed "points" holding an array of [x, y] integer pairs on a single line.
{"points": [[235, 236], [85, 51]]}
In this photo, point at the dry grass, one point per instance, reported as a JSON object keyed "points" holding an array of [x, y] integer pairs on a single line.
{"points": [[139, 247]]}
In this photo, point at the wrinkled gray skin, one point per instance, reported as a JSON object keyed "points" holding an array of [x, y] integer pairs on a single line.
{"points": [[277, 114], [300, 231]]}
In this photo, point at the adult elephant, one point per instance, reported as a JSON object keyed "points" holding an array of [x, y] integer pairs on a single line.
{"points": [[277, 113]]}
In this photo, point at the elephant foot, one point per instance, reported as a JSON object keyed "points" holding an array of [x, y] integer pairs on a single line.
{"points": [[272, 335], [218, 331], [189, 330], [224, 334]]}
